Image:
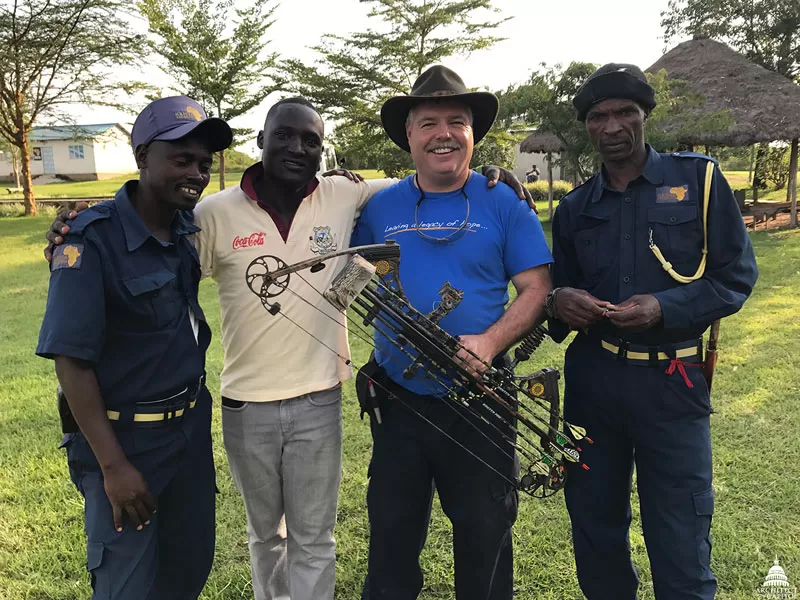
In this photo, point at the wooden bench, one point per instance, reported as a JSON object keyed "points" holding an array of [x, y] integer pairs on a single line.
{"points": [[764, 211]]}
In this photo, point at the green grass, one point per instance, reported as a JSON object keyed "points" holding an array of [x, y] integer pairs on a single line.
{"points": [[756, 451]]}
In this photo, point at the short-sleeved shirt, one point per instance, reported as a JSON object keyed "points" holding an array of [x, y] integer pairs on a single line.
{"points": [[125, 302], [601, 240], [268, 357], [503, 238]]}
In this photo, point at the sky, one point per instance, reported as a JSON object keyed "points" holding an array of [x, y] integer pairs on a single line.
{"points": [[597, 31]]}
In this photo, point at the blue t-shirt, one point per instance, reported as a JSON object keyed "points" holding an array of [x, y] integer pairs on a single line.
{"points": [[503, 238]]}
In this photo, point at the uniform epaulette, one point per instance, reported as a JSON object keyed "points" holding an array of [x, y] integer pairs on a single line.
{"points": [[90, 215], [693, 155]]}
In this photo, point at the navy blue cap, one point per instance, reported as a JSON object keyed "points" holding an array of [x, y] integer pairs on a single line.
{"points": [[173, 118]]}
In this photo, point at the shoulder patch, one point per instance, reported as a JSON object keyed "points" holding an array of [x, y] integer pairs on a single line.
{"points": [[90, 215], [67, 256]]}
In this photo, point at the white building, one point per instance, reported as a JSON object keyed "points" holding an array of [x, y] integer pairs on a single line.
{"points": [[78, 152]]}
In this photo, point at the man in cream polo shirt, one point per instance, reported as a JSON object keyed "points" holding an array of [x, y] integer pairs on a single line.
{"points": [[281, 388]]}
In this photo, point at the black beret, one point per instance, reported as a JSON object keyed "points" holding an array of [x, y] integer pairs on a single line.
{"points": [[614, 81]]}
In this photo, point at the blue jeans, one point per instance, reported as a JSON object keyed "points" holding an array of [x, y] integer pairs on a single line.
{"points": [[286, 461], [409, 458]]}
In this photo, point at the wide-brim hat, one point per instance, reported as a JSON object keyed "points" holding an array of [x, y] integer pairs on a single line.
{"points": [[438, 84]]}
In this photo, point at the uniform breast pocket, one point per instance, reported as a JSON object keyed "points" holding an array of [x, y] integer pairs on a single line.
{"points": [[156, 296], [678, 233], [596, 246]]}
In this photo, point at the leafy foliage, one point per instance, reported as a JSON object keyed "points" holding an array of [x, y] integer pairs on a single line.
{"points": [[774, 165], [357, 73], [215, 52], [766, 31], [56, 53], [545, 101]]}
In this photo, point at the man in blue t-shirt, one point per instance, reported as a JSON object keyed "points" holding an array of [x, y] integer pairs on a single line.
{"points": [[451, 229]]}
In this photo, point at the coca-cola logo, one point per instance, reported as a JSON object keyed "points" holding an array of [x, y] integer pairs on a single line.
{"points": [[249, 241]]}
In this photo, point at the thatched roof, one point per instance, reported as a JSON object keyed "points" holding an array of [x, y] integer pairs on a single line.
{"points": [[764, 105], [541, 142]]}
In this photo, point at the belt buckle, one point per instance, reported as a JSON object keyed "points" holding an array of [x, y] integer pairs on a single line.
{"points": [[170, 413], [622, 349]]}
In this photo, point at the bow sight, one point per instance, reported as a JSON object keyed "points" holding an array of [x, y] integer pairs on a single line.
{"points": [[523, 411]]}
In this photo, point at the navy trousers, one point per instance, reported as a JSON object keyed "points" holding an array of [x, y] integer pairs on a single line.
{"points": [[637, 414], [409, 459], [170, 559]]}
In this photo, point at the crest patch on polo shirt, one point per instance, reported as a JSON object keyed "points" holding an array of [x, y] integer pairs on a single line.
{"points": [[323, 241], [672, 194], [67, 256]]}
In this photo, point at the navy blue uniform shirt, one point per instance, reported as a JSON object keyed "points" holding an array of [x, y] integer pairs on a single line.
{"points": [[601, 244], [119, 299]]}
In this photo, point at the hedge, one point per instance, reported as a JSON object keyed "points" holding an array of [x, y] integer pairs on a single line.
{"points": [[539, 190]]}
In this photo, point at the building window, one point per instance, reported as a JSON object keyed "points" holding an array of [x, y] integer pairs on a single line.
{"points": [[76, 152]]}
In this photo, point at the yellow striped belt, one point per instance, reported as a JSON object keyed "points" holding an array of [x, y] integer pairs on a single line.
{"points": [[165, 415], [633, 355]]}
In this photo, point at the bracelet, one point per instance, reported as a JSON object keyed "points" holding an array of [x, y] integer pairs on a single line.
{"points": [[550, 303]]}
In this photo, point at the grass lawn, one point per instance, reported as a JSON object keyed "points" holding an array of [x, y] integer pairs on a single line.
{"points": [[756, 450]]}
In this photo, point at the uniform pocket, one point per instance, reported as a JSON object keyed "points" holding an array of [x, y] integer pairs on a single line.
{"points": [[596, 246], [94, 562], [159, 294], [704, 510], [678, 233]]}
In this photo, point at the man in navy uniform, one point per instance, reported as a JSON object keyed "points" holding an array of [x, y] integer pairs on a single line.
{"points": [[648, 253], [131, 363]]}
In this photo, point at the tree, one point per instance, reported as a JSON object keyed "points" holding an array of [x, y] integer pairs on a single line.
{"points": [[545, 102], [356, 73], [216, 54], [766, 31], [58, 52]]}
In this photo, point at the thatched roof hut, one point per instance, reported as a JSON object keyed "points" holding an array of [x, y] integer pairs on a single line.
{"points": [[541, 142], [764, 105]]}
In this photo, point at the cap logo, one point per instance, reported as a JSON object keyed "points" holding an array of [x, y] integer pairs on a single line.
{"points": [[622, 69], [190, 114]]}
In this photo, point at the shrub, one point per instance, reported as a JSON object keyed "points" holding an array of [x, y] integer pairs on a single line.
{"points": [[538, 190]]}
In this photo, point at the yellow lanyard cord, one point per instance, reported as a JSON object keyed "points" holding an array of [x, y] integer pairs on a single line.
{"points": [[701, 268]]}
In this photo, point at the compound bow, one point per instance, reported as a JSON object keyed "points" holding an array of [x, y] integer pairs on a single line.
{"points": [[524, 412]]}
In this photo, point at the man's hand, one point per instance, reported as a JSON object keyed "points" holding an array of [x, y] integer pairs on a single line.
{"points": [[59, 229], [637, 313], [351, 175], [578, 308], [477, 353], [127, 492], [494, 174]]}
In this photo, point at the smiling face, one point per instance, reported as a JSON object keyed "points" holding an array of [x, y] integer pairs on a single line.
{"points": [[441, 141], [292, 144], [176, 172], [616, 128]]}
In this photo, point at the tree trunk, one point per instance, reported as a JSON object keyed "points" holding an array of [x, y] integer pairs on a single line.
{"points": [[550, 186], [15, 166], [27, 184], [793, 182], [752, 163], [222, 169]]}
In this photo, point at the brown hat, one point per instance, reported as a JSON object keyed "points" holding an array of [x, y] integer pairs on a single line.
{"points": [[438, 83]]}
